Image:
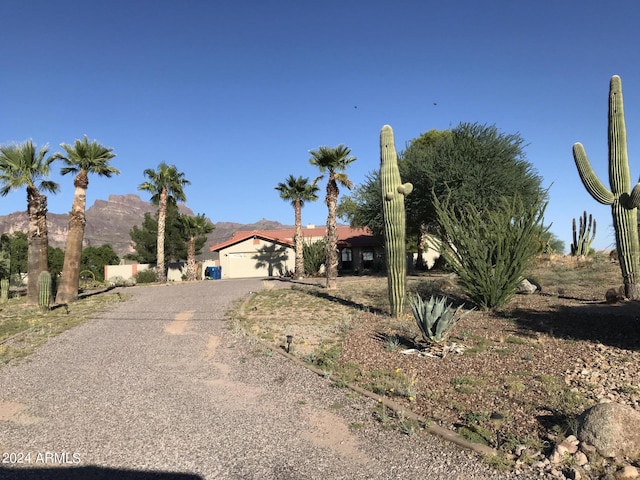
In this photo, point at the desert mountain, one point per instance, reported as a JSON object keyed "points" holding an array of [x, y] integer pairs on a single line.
{"points": [[110, 221]]}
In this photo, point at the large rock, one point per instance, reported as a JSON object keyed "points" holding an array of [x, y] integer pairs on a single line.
{"points": [[613, 429], [528, 286]]}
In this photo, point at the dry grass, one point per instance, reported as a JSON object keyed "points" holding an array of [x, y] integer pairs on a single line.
{"points": [[24, 327]]}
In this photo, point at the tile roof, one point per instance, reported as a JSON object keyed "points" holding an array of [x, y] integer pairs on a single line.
{"points": [[242, 236], [347, 236]]}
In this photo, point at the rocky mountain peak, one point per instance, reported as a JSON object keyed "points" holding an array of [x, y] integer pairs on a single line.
{"points": [[110, 221]]}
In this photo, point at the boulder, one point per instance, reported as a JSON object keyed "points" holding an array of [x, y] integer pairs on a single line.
{"points": [[527, 287], [613, 429]]}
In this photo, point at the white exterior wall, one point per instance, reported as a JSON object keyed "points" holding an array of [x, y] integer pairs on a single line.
{"points": [[174, 271], [124, 271], [239, 260]]}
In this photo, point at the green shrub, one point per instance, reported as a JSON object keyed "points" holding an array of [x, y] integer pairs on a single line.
{"points": [[314, 256], [146, 276], [490, 250]]}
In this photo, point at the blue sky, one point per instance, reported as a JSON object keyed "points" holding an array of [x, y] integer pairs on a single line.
{"points": [[235, 94]]}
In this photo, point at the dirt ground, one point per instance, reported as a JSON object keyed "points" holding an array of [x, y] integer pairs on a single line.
{"points": [[534, 364]]}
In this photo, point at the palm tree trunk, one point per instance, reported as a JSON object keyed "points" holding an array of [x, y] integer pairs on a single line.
{"points": [[162, 219], [192, 268], [38, 241], [331, 265], [70, 276], [298, 241]]}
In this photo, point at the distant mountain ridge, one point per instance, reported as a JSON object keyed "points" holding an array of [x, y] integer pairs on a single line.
{"points": [[110, 221]]}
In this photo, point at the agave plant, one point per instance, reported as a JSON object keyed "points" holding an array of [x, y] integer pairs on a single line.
{"points": [[435, 318]]}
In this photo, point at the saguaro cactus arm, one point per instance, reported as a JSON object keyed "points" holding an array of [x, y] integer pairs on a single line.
{"points": [[619, 174], [589, 178], [634, 198]]}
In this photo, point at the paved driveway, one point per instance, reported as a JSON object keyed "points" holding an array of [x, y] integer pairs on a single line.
{"points": [[159, 387]]}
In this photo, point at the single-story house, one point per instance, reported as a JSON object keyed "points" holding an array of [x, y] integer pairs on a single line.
{"points": [[268, 253]]}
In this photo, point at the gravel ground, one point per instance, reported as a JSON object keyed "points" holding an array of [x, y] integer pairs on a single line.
{"points": [[160, 384]]}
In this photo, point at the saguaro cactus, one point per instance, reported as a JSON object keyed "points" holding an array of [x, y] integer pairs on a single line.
{"points": [[624, 201], [4, 290], [44, 290], [583, 237], [393, 193]]}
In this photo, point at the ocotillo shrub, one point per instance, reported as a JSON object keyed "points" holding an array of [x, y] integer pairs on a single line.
{"points": [[489, 250]]}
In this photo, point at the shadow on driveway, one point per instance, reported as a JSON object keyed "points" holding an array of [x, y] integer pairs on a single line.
{"points": [[90, 473]]}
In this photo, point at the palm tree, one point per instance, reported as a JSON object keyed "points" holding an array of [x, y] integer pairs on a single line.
{"points": [[81, 159], [166, 185], [334, 161], [194, 227], [297, 191], [20, 166]]}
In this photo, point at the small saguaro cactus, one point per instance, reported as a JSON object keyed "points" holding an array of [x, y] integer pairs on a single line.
{"points": [[624, 201], [393, 193], [583, 237], [44, 290], [4, 290]]}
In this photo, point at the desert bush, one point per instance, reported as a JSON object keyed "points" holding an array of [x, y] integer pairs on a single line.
{"points": [[314, 256], [490, 250], [119, 281], [146, 276]]}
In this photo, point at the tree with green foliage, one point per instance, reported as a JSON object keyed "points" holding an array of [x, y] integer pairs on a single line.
{"points": [[490, 249], [5, 256], [19, 246], [195, 229], [145, 238], [27, 166], [166, 186], [81, 159], [18, 250], [298, 191], [471, 164], [333, 162], [550, 243], [363, 208], [95, 258], [56, 262]]}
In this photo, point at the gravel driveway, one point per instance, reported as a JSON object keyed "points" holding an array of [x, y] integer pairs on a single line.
{"points": [[160, 384]]}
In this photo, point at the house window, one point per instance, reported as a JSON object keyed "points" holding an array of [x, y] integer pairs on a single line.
{"points": [[367, 258], [347, 259]]}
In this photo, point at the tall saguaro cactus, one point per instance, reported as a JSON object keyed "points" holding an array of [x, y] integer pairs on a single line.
{"points": [[393, 193], [624, 201]]}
